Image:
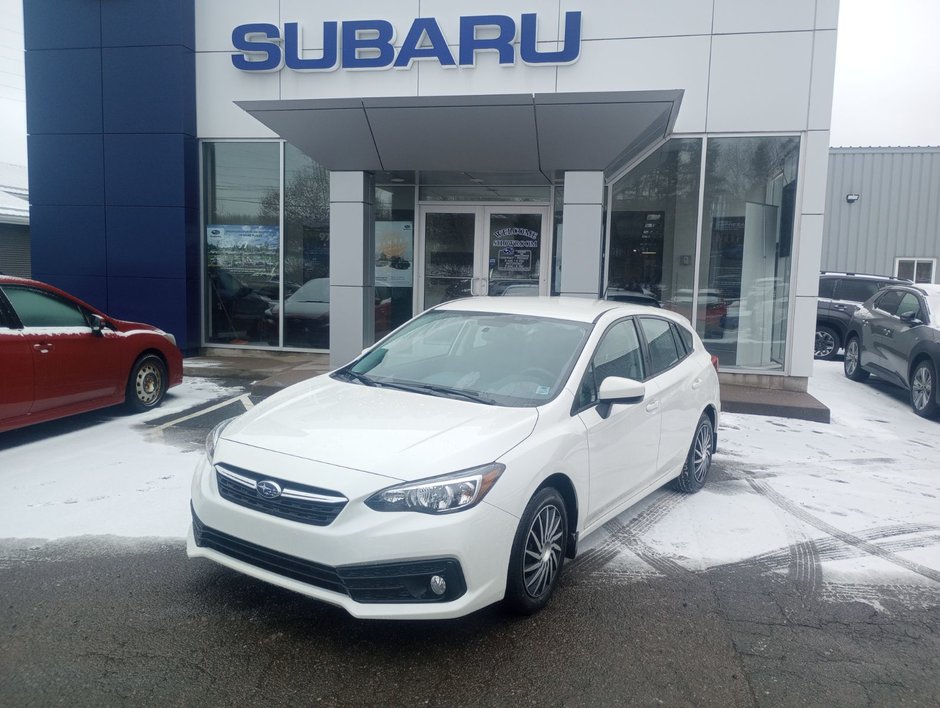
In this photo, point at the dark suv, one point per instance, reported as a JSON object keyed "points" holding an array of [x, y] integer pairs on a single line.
{"points": [[840, 294], [895, 335]]}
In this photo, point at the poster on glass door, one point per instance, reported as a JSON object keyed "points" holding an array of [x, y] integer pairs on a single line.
{"points": [[394, 253]]}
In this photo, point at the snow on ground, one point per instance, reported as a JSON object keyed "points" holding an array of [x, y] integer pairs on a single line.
{"points": [[849, 504], [113, 476]]}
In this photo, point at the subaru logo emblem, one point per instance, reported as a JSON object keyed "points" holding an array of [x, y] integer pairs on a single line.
{"points": [[269, 489]]}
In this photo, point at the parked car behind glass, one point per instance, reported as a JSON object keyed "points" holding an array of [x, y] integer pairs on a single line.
{"points": [[459, 461], [60, 356], [895, 335]]}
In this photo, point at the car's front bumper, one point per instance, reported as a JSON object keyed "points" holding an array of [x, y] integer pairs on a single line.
{"points": [[359, 560]]}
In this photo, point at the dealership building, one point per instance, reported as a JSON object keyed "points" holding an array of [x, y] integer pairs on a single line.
{"points": [[305, 176]]}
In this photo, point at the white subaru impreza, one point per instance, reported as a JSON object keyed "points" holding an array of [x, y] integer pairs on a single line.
{"points": [[458, 461]]}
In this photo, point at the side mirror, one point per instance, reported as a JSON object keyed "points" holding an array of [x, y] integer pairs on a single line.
{"points": [[615, 389], [911, 318], [98, 324]]}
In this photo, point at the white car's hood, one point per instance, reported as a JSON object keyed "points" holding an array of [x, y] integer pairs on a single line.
{"points": [[384, 431]]}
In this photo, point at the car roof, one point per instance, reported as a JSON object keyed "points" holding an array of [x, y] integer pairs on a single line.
{"points": [[563, 308]]}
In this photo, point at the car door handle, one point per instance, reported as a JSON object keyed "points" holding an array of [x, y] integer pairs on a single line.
{"points": [[838, 307], [42, 348], [652, 406]]}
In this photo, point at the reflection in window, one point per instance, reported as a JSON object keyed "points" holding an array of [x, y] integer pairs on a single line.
{"points": [[306, 252], [654, 215], [394, 256], [39, 309], [747, 234], [242, 216]]}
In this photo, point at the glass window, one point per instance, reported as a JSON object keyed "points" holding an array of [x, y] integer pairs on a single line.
{"points": [[394, 256], [243, 259], [661, 342], [888, 303], [306, 253], [826, 287], [747, 234], [619, 353], [918, 270], [858, 289], [40, 309], [909, 306], [684, 338], [654, 214]]}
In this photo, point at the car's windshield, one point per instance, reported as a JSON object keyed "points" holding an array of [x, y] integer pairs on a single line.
{"points": [[501, 359]]}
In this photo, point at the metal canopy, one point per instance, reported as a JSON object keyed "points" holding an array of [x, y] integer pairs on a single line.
{"points": [[524, 132]]}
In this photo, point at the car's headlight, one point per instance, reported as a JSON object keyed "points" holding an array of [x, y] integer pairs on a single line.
{"points": [[439, 495], [212, 438]]}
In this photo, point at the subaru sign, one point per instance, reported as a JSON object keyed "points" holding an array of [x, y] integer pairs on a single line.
{"points": [[370, 44]]}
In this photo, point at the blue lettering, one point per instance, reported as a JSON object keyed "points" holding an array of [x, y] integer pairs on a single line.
{"points": [[410, 49], [353, 44], [293, 51], [569, 53], [245, 39], [470, 44]]}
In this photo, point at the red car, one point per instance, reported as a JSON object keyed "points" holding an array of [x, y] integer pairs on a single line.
{"points": [[60, 356]]}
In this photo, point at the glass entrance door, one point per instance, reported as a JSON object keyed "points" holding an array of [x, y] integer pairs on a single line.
{"points": [[481, 250]]}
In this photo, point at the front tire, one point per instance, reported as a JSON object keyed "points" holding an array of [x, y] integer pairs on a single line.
{"points": [[698, 462], [827, 343], [538, 553], [147, 384], [924, 390], [852, 366]]}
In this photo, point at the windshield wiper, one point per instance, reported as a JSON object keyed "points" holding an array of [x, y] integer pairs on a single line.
{"points": [[356, 376], [435, 390]]}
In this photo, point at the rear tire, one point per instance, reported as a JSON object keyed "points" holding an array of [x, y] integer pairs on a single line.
{"points": [[147, 384], [852, 366], [924, 390], [538, 553], [827, 343], [698, 462]]}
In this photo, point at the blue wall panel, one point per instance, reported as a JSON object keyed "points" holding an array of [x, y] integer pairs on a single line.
{"points": [[71, 98], [157, 301], [139, 23], [145, 170], [71, 239], [158, 231], [148, 89], [113, 158], [61, 24], [65, 170]]}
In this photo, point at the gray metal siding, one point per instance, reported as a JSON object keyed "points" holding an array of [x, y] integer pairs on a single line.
{"points": [[897, 214], [14, 250]]}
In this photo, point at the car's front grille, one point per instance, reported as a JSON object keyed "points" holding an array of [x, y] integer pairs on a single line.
{"points": [[295, 502], [397, 582]]}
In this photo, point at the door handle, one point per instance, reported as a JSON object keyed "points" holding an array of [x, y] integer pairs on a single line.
{"points": [[42, 348], [652, 406]]}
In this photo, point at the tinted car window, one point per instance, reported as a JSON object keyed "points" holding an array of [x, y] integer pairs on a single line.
{"points": [[662, 344], [618, 354], [826, 286], [40, 309], [856, 289], [684, 338], [909, 306], [889, 301]]}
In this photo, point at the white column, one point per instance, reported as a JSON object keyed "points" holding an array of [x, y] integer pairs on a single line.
{"points": [[352, 274], [582, 234]]}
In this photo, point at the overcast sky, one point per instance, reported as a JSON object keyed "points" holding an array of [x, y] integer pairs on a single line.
{"points": [[887, 89]]}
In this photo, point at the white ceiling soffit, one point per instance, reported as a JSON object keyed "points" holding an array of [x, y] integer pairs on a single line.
{"points": [[524, 132]]}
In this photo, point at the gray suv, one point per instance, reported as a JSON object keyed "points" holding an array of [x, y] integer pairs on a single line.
{"points": [[840, 294], [896, 336]]}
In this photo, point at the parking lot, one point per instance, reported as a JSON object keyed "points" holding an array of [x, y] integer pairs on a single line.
{"points": [[806, 573]]}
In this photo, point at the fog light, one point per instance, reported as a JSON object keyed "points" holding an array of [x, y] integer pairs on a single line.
{"points": [[438, 585]]}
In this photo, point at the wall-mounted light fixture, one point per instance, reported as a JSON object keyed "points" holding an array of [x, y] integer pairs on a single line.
{"points": [[852, 198]]}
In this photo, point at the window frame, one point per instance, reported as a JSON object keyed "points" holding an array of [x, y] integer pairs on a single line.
{"points": [[916, 261]]}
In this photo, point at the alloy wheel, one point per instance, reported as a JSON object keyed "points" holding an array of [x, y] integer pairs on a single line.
{"points": [[542, 559], [825, 344], [702, 452], [851, 357], [921, 387]]}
